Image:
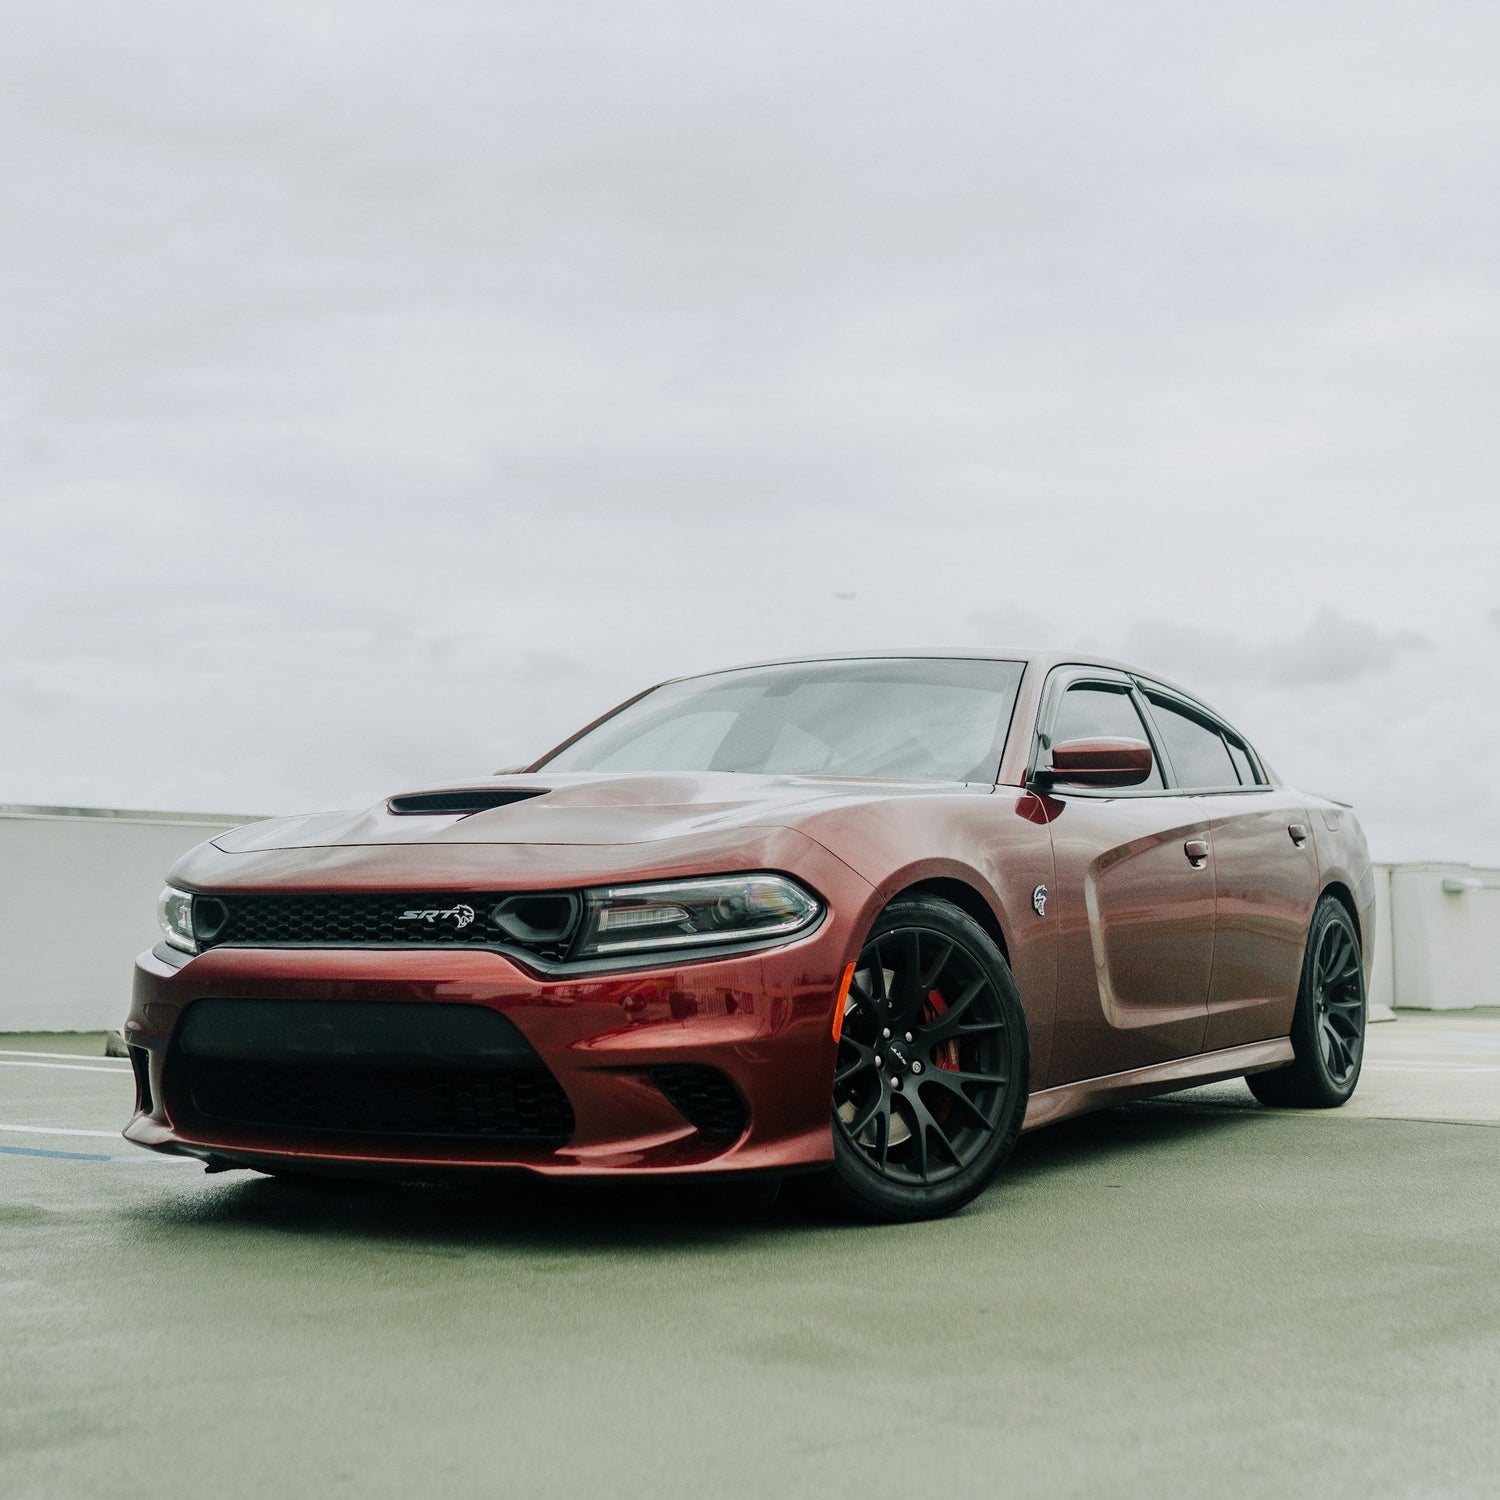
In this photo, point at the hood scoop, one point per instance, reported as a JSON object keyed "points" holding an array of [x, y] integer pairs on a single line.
{"points": [[463, 800]]}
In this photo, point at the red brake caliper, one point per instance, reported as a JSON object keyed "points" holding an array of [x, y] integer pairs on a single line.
{"points": [[945, 1056]]}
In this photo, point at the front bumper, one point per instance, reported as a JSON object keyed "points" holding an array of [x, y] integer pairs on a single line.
{"points": [[763, 1019]]}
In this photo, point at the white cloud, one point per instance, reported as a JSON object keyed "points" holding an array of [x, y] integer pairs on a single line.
{"points": [[1330, 649], [385, 390]]}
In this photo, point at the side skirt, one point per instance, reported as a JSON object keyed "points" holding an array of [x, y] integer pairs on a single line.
{"points": [[1051, 1105]]}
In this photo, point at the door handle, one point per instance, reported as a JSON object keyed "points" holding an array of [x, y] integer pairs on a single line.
{"points": [[1298, 832], [1197, 852]]}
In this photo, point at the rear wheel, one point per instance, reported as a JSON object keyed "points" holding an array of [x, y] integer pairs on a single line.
{"points": [[1328, 1026], [930, 1081]]}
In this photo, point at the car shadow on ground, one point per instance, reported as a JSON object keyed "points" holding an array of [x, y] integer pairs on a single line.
{"points": [[1121, 1131], [519, 1212]]}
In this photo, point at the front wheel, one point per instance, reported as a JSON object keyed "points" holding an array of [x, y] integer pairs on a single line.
{"points": [[1328, 1026], [930, 1080]]}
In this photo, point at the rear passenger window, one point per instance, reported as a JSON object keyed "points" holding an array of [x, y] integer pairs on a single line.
{"points": [[1241, 759], [1091, 711], [1200, 758]]}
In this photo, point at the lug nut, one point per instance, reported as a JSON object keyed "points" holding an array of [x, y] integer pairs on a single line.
{"points": [[908, 1036], [879, 1061], [895, 1083], [886, 1032], [916, 1067]]}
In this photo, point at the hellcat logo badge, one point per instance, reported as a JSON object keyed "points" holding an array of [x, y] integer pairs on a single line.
{"points": [[1039, 900], [461, 914]]}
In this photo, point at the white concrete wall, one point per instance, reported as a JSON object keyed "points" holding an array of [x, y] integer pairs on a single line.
{"points": [[1444, 936], [1382, 974], [78, 890]]}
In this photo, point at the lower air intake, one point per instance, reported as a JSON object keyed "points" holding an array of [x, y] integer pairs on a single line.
{"points": [[703, 1096], [476, 1104], [396, 1068]]}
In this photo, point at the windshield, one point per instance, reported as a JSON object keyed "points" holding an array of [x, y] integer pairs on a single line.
{"points": [[923, 719]]}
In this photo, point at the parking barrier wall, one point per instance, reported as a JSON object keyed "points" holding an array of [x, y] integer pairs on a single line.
{"points": [[78, 889]]}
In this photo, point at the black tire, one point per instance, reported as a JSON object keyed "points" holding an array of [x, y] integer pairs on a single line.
{"points": [[930, 1081], [1328, 1026]]}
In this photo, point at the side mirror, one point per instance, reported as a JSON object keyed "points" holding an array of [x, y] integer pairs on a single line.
{"points": [[1097, 763]]}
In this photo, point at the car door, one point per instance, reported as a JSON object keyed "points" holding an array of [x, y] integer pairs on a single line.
{"points": [[1265, 866], [1133, 896]]}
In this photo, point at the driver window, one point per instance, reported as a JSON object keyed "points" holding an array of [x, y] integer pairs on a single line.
{"points": [[1092, 711]]}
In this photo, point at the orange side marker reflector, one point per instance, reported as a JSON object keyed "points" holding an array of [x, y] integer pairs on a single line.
{"points": [[838, 1009]]}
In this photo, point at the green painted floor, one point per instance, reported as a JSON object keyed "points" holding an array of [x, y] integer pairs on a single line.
{"points": [[1197, 1297]]}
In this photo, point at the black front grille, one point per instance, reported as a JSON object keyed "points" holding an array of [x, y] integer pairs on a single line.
{"points": [[410, 1068], [477, 1104], [703, 1096], [540, 923]]}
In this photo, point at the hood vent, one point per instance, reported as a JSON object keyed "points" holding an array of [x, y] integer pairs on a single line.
{"points": [[480, 799]]}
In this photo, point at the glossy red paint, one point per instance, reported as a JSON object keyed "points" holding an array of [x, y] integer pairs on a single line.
{"points": [[1100, 762], [1139, 967]]}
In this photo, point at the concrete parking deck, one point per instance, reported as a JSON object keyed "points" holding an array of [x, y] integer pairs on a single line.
{"points": [[1197, 1296]]}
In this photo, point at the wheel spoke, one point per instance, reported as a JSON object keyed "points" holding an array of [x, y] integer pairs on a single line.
{"points": [[1339, 959], [911, 1106], [865, 1000], [930, 978], [943, 1080], [944, 1139], [951, 1023], [1345, 1022], [863, 1058], [874, 1110], [1337, 1051], [959, 1078], [925, 1125], [910, 996]]}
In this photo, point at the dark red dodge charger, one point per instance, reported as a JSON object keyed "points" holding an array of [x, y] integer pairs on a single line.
{"points": [[868, 915]]}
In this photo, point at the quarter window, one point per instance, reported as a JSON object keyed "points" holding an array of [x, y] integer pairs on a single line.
{"points": [[1200, 758], [1092, 711]]}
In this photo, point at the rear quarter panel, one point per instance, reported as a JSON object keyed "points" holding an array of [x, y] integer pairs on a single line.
{"points": [[1344, 860]]}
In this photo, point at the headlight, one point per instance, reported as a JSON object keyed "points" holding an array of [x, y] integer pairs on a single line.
{"points": [[174, 913], [694, 913]]}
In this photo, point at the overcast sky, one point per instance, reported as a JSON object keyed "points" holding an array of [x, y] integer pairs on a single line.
{"points": [[385, 390]]}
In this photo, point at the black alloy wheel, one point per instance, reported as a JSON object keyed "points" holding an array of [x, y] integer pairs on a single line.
{"points": [[930, 1079], [1328, 1026]]}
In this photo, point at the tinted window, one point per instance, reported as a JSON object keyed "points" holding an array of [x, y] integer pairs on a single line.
{"points": [[1091, 712], [1197, 751], [924, 719], [1241, 759]]}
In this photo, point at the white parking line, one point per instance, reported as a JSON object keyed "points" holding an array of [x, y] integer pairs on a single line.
{"points": [[66, 1056], [105, 1135], [1430, 1067], [143, 1159], [6, 1062]]}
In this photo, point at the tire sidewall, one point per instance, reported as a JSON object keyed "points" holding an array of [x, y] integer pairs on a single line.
{"points": [[1329, 912]]}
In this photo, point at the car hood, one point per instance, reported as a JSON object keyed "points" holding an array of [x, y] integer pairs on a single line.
{"points": [[582, 809]]}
